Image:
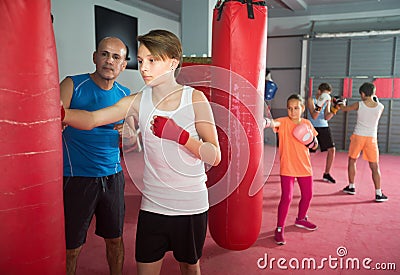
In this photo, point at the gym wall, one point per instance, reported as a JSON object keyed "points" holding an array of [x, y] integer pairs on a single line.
{"points": [[346, 63], [76, 39]]}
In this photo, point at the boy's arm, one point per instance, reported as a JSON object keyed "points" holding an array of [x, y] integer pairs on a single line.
{"points": [[328, 114], [311, 108], [66, 91], [85, 120], [352, 107], [206, 149]]}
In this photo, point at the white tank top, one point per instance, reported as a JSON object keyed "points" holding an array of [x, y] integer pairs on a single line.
{"points": [[367, 119], [174, 180]]}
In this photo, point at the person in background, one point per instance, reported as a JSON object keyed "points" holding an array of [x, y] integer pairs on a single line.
{"points": [[319, 113], [365, 138], [93, 178], [296, 137], [179, 136]]}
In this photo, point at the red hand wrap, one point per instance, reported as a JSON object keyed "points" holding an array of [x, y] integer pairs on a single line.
{"points": [[166, 128], [62, 113]]}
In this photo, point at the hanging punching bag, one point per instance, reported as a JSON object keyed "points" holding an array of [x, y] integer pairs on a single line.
{"points": [[32, 237], [239, 42]]}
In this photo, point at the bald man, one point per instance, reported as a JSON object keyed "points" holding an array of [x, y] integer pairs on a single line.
{"points": [[93, 178]]}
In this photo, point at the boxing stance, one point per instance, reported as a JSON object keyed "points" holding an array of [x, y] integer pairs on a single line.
{"points": [[321, 100], [296, 136], [179, 136], [364, 138], [336, 103], [319, 113]]}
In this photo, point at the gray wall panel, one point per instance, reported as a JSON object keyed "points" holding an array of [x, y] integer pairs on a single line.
{"points": [[396, 57], [394, 130], [332, 60], [329, 58], [371, 57]]}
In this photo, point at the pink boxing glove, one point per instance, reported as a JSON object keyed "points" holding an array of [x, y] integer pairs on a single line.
{"points": [[304, 134], [164, 127]]}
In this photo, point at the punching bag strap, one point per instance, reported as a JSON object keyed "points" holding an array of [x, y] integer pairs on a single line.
{"points": [[250, 11], [249, 3], [219, 6]]}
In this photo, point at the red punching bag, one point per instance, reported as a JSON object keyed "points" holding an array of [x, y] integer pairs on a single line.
{"points": [[32, 239], [239, 42]]}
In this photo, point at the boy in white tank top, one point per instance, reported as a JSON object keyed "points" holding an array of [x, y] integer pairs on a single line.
{"points": [[179, 136], [364, 138]]}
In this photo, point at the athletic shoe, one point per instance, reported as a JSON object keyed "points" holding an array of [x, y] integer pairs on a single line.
{"points": [[327, 177], [304, 223], [279, 236], [381, 198], [348, 190]]}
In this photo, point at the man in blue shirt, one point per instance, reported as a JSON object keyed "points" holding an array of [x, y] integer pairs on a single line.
{"points": [[93, 177]]}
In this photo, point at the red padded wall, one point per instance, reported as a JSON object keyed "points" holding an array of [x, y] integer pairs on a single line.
{"points": [[384, 87], [347, 87], [396, 88]]}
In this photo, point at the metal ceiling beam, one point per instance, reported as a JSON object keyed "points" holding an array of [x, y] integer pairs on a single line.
{"points": [[294, 5], [354, 34]]}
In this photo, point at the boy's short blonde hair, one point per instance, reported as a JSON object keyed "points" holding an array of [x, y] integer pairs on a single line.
{"points": [[162, 44]]}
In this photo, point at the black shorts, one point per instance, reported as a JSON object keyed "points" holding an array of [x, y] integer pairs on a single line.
{"points": [[87, 196], [325, 139], [184, 235]]}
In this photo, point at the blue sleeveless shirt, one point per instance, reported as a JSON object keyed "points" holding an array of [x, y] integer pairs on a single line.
{"points": [[320, 121], [93, 153]]}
